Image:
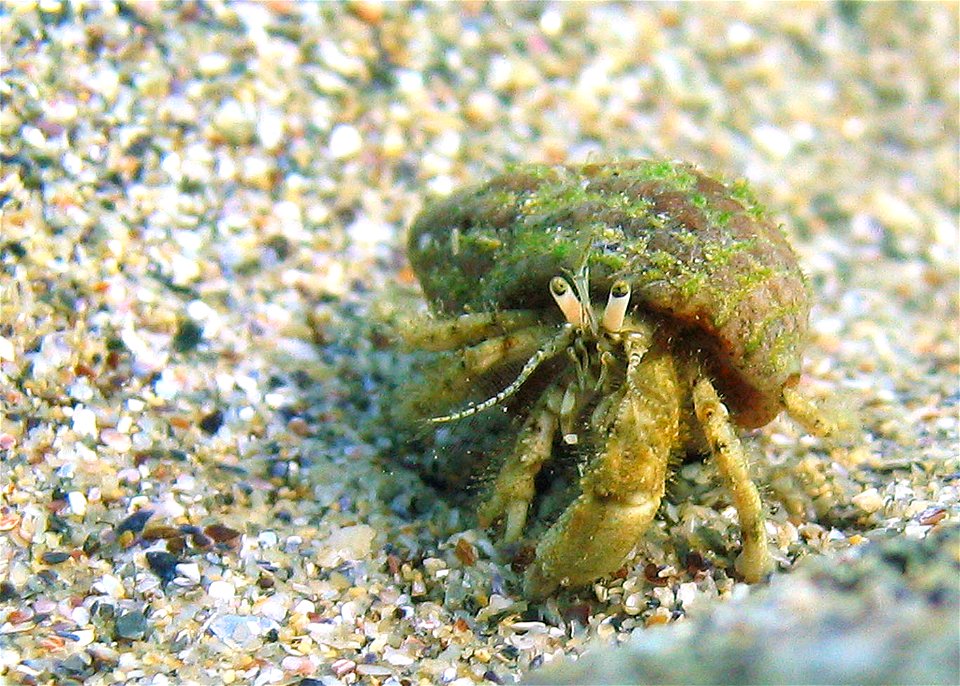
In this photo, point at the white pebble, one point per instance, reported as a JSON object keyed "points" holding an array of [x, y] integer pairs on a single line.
{"points": [[80, 615], [111, 586], [221, 590], [84, 637], [345, 141], [257, 171], [167, 386], [84, 421], [776, 142], [275, 608], [185, 483], [6, 349], [116, 440], [80, 390], [213, 64], [551, 22], [740, 35], [346, 544], [396, 658], [9, 659], [634, 604], [234, 123], [271, 129], [665, 596], [189, 571], [687, 594], [304, 607], [77, 502]]}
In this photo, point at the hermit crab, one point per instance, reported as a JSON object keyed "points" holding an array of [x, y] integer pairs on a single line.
{"points": [[703, 320]]}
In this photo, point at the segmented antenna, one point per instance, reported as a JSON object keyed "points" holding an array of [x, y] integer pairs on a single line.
{"points": [[555, 345]]}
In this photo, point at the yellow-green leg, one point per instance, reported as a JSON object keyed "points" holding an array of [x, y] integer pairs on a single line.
{"points": [[755, 561], [467, 329], [832, 422], [450, 380], [514, 487]]}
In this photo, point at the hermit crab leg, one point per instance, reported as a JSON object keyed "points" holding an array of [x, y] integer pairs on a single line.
{"points": [[622, 486], [450, 381], [834, 423], [448, 334], [754, 562], [514, 487], [555, 345]]}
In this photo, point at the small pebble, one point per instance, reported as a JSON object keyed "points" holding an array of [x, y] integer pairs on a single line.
{"points": [[163, 564], [54, 557], [131, 625], [134, 523], [77, 502], [869, 501], [117, 441], [345, 141], [221, 590], [84, 421]]}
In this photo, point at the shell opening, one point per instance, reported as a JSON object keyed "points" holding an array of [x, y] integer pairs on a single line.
{"points": [[616, 308], [566, 300]]}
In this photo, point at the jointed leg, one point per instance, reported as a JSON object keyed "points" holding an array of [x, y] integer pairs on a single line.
{"points": [[755, 561], [514, 488], [622, 487], [449, 334], [835, 424], [450, 381]]}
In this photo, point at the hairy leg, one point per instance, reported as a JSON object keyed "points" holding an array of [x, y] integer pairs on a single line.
{"points": [[834, 423], [755, 561], [514, 489], [450, 380], [449, 334]]}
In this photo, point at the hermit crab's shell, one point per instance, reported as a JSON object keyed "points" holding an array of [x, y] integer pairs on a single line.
{"points": [[699, 255]]}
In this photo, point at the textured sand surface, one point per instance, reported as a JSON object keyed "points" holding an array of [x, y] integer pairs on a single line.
{"points": [[202, 214]]}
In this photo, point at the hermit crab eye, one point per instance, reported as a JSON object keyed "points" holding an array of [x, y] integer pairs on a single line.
{"points": [[567, 302], [616, 308]]}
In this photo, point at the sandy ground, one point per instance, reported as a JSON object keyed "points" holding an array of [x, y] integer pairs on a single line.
{"points": [[201, 243]]}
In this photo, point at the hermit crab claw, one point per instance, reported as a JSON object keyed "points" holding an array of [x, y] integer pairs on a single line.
{"points": [[616, 308]]}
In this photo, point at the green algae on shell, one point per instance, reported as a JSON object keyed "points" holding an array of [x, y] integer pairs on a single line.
{"points": [[700, 255]]}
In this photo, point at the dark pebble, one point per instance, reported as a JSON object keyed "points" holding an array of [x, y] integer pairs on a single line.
{"points": [[156, 533], [212, 422], [8, 591], [54, 557], [221, 533], [131, 625], [490, 675], [76, 664], [163, 565], [188, 336], [91, 545], [134, 523]]}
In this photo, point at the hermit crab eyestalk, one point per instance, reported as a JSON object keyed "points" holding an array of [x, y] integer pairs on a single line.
{"points": [[562, 293], [616, 308]]}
